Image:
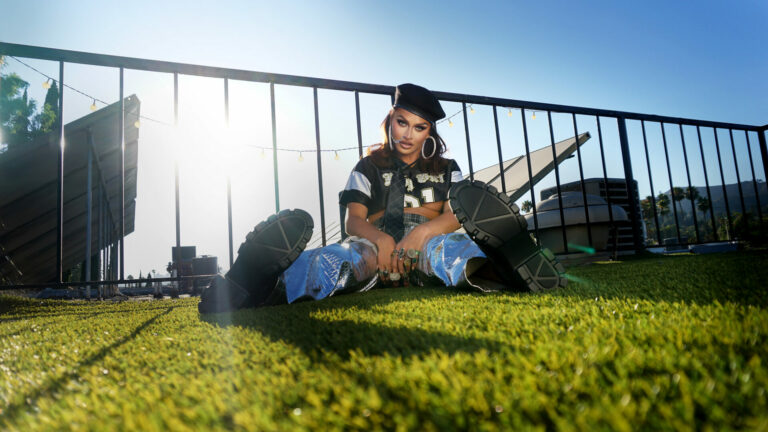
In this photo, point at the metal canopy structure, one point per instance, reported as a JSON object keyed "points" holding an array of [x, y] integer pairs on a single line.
{"points": [[516, 177], [28, 194]]}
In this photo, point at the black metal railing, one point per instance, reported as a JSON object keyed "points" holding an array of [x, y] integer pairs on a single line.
{"points": [[111, 232]]}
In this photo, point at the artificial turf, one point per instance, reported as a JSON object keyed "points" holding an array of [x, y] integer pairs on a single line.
{"points": [[652, 343]]}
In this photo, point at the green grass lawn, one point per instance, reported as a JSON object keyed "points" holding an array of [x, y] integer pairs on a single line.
{"points": [[654, 343]]}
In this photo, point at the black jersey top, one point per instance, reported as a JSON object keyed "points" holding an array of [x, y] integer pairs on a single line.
{"points": [[368, 184]]}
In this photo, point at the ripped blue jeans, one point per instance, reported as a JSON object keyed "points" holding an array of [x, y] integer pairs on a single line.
{"points": [[351, 266]]}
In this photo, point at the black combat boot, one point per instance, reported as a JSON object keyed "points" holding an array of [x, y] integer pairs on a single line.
{"points": [[267, 251], [495, 224]]}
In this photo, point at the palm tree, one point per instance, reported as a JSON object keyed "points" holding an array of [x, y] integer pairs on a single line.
{"points": [[678, 195], [527, 206], [662, 203], [703, 204]]}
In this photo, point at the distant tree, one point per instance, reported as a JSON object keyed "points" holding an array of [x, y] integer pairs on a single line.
{"points": [[662, 204], [647, 207], [527, 206], [703, 204], [677, 196], [20, 122], [723, 230], [16, 110], [45, 121]]}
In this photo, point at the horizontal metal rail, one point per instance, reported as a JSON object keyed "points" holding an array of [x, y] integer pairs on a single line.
{"points": [[293, 80], [102, 282]]}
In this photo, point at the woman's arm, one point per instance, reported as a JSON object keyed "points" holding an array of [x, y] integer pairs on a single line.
{"points": [[358, 225], [445, 223]]}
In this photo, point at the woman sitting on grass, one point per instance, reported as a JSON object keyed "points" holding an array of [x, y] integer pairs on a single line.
{"points": [[404, 203]]}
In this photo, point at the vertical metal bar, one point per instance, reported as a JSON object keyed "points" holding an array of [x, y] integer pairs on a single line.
{"points": [[177, 255], [581, 179], [229, 177], [763, 151], [605, 174], [101, 234], [634, 204], [530, 176], [557, 181], [722, 180], [359, 131], [498, 150], [60, 178], [122, 178], [706, 182], [469, 146], [671, 185], [319, 168], [738, 176], [650, 180], [754, 179], [89, 216], [690, 186], [274, 147]]}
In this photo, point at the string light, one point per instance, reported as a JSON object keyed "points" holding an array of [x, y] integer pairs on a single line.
{"points": [[509, 113], [533, 116], [93, 107]]}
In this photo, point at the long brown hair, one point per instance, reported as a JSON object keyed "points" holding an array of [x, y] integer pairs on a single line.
{"points": [[382, 156]]}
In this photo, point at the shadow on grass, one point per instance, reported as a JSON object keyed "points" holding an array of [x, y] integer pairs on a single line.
{"points": [[33, 309], [296, 325], [734, 277], [56, 385]]}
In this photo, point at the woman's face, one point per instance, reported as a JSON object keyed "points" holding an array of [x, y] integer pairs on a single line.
{"points": [[409, 132]]}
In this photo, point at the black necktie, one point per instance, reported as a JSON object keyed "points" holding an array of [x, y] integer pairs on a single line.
{"points": [[393, 214]]}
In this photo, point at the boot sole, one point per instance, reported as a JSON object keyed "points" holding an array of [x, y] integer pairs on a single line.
{"points": [[501, 232], [278, 241], [487, 215]]}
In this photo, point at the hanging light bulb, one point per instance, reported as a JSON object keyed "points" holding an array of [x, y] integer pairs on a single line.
{"points": [[301, 157], [93, 105], [263, 155], [336, 155], [509, 113], [137, 124], [471, 109], [533, 116], [450, 123], [47, 84]]}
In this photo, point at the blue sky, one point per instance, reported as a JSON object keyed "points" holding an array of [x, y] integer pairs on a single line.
{"points": [[703, 60]]}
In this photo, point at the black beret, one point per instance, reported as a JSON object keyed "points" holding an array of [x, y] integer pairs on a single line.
{"points": [[419, 101]]}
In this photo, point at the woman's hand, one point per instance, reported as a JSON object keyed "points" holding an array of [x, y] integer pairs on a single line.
{"points": [[385, 245], [414, 240]]}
